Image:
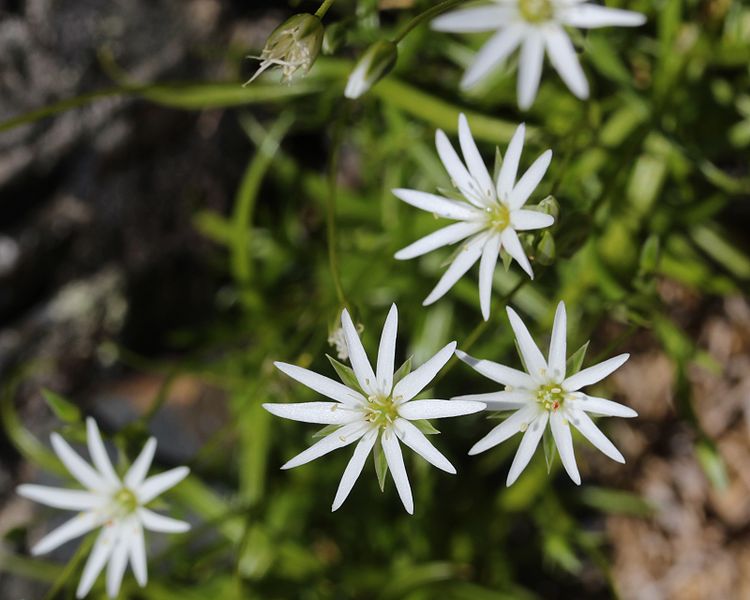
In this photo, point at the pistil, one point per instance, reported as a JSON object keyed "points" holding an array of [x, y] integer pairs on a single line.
{"points": [[536, 11]]}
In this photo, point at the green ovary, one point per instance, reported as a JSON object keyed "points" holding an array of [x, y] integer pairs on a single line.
{"points": [[551, 397], [126, 501], [498, 216], [536, 11], [381, 410]]}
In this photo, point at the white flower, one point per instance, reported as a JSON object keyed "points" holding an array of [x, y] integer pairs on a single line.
{"points": [[489, 217], [536, 26], [117, 506], [545, 395], [374, 408]]}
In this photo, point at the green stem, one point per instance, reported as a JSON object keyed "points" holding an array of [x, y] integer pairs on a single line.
{"points": [[323, 9], [426, 15], [333, 164]]}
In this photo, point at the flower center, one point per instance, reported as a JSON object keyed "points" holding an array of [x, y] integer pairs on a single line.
{"points": [[125, 502], [498, 216], [536, 11], [381, 410], [551, 397]]}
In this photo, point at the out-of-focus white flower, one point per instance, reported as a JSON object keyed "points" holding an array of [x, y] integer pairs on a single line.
{"points": [[116, 505], [545, 395], [374, 407], [537, 26], [489, 217]]}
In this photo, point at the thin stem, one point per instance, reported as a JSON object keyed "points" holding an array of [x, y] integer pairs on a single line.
{"points": [[333, 164], [426, 15], [323, 9]]}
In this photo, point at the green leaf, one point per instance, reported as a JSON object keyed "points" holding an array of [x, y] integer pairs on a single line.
{"points": [[346, 374], [576, 360], [328, 429], [425, 427], [712, 463], [402, 371], [381, 465], [550, 449], [64, 409], [616, 501]]}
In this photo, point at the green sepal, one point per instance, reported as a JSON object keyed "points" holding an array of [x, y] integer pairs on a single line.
{"points": [[520, 355], [451, 193], [425, 427], [402, 371], [507, 259], [346, 374], [381, 465], [327, 430], [576, 360], [550, 449], [64, 409], [500, 414], [498, 163]]}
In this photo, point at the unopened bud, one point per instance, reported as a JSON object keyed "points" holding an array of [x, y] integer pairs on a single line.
{"points": [[373, 65], [545, 249], [550, 206], [294, 45]]}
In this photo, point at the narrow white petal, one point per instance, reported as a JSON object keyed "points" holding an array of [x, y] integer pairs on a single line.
{"points": [[324, 413], [499, 373], [79, 525], [322, 384], [420, 377], [465, 259], [438, 409], [417, 441], [99, 556], [530, 68], [99, 453], [348, 434], [496, 401], [528, 183], [563, 57], [528, 220], [603, 407], [493, 54], [508, 428], [158, 484], [588, 16], [506, 178], [118, 562], [513, 246], [527, 447], [387, 351], [442, 237], [139, 469], [137, 555], [442, 207], [532, 356], [472, 20], [354, 467], [564, 443], [474, 162], [78, 467], [558, 344], [487, 265], [160, 523], [395, 461], [60, 497], [457, 171], [594, 373], [593, 434], [357, 355]]}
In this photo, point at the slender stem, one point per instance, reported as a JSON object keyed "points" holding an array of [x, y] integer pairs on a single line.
{"points": [[323, 9], [426, 15], [333, 164]]}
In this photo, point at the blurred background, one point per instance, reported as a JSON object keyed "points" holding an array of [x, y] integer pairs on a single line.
{"points": [[164, 238]]}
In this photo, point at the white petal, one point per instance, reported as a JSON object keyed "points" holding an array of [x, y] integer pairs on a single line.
{"points": [[528, 183], [324, 413], [527, 220], [343, 436], [158, 484], [160, 523], [467, 255], [442, 207], [508, 428], [139, 469], [530, 68], [506, 178], [418, 379], [71, 529], [99, 556], [493, 54], [442, 237], [603, 407], [497, 372], [457, 171], [563, 57], [497, 401], [589, 16], [99, 453], [137, 554], [593, 434], [594, 373], [526, 449], [357, 356], [532, 357], [322, 384], [387, 351], [417, 441], [558, 344], [395, 461], [513, 246], [118, 562], [477, 168], [486, 273], [78, 467], [472, 20], [354, 467], [564, 443], [438, 409], [60, 497]]}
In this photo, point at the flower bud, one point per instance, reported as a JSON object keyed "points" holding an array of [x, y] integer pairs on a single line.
{"points": [[550, 206], [545, 249], [373, 65], [294, 45]]}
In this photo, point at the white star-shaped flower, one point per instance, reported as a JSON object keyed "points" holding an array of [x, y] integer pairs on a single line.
{"points": [[489, 217], [117, 506], [536, 26], [375, 407], [545, 395]]}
